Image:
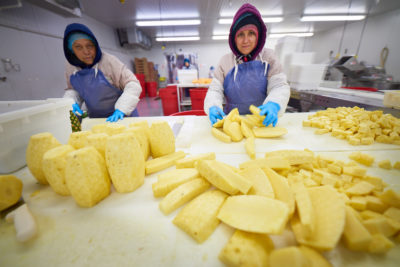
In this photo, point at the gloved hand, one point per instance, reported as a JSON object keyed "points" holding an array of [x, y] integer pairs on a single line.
{"points": [[76, 109], [270, 110], [117, 115], [215, 113]]}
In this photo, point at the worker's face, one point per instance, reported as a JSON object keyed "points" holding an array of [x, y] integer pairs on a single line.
{"points": [[186, 64], [84, 50], [246, 41]]}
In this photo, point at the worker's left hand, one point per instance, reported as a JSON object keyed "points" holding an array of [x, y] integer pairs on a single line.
{"points": [[270, 110], [117, 115]]}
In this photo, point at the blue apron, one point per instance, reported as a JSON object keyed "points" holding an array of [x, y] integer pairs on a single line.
{"points": [[249, 87], [99, 95]]}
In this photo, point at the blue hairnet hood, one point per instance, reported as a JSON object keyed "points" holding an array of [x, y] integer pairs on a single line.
{"points": [[69, 55]]}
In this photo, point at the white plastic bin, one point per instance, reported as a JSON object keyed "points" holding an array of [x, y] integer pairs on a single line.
{"points": [[306, 77], [21, 119], [187, 76]]}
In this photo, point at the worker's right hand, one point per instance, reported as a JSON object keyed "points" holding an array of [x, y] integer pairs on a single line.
{"points": [[215, 113], [76, 109]]}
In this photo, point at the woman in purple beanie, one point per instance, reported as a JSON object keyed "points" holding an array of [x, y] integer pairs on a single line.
{"points": [[250, 74]]}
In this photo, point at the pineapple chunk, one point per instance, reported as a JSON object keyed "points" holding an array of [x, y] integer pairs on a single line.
{"points": [[281, 188], [162, 139], [356, 236], [391, 198], [250, 147], [304, 208], [380, 244], [53, 165], [385, 164], [183, 194], [190, 161], [362, 158], [246, 130], [223, 177], [261, 184], [361, 188], [288, 256], [220, 135], [98, 141], [37, 146], [315, 259], [256, 214], [393, 213], [358, 202], [125, 162], [329, 210], [198, 218], [269, 132], [158, 164], [87, 177], [276, 163], [170, 180], [247, 249], [10, 191], [295, 157]]}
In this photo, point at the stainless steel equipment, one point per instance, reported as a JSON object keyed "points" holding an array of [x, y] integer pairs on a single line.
{"points": [[359, 74]]}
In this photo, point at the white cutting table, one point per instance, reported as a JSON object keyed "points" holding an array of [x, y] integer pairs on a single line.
{"points": [[130, 230]]}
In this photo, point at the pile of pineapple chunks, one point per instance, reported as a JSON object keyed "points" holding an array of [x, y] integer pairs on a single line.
{"points": [[356, 125], [322, 200], [234, 127]]}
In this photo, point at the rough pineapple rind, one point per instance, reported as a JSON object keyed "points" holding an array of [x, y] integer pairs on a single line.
{"points": [[10, 191], [125, 162], [53, 164], [198, 218], [87, 176], [37, 146]]}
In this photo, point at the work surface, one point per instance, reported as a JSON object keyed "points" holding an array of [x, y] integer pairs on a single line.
{"points": [[130, 230]]}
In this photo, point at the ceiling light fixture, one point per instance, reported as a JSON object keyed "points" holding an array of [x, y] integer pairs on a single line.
{"points": [[297, 34], [265, 19], [177, 38], [331, 17], [145, 23], [220, 37]]}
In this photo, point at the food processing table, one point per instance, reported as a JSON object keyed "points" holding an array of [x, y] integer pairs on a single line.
{"points": [[130, 230]]}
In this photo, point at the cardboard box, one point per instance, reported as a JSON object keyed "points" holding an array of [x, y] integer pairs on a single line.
{"points": [[21, 119]]}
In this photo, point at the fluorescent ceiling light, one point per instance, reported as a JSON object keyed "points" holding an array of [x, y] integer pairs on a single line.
{"points": [[331, 17], [220, 37], [176, 38], [168, 22], [265, 19], [297, 34]]}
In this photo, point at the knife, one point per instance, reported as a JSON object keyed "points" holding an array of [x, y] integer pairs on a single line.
{"points": [[176, 127]]}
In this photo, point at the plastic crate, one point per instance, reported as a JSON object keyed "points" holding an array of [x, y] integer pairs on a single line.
{"points": [[19, 120]]}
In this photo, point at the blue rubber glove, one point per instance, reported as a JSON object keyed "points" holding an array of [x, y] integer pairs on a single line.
{"points": [[270, 110], [117, 115], [215, 113], [76, 109]]}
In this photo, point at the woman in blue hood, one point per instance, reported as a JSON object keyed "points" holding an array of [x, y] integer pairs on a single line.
{"points": [[250, 74], [97, 81]]}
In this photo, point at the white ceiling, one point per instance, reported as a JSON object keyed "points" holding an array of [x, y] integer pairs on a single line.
{"points": [[118, 15]]}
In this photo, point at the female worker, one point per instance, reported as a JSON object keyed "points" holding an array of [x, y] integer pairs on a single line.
{"points": [[97, 79], [250, 74]]}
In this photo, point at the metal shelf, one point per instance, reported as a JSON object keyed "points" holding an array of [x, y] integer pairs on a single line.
{"points": [[184, 101]]}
